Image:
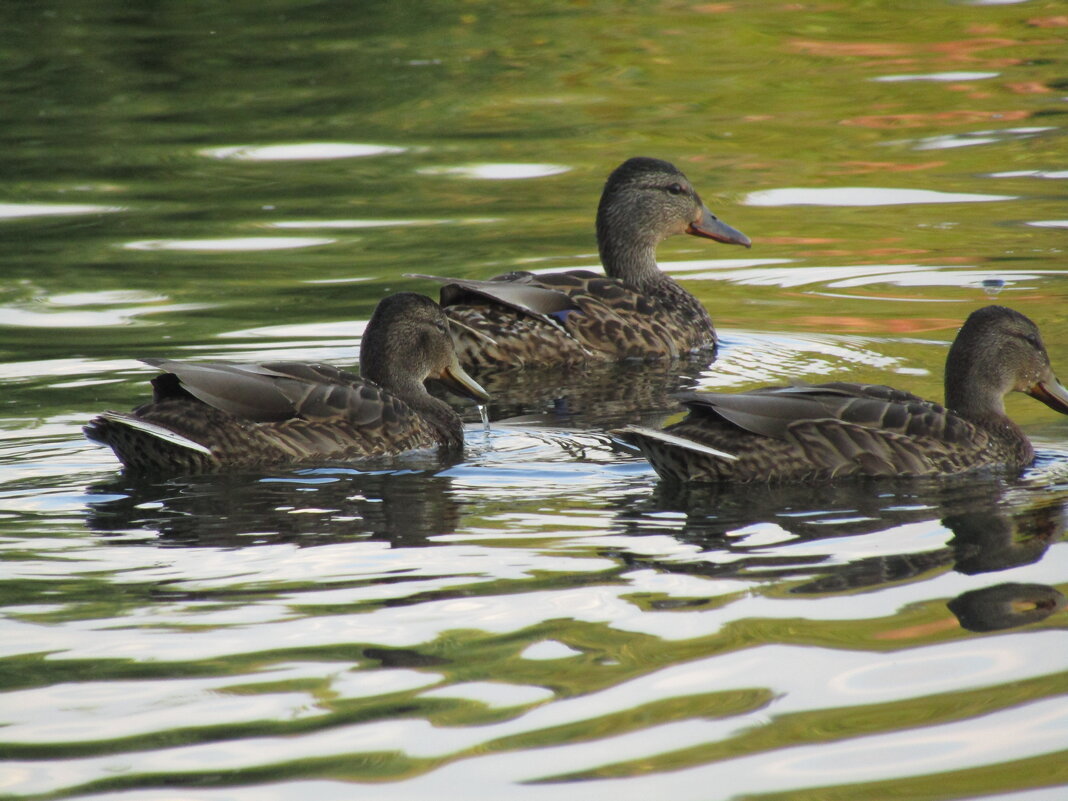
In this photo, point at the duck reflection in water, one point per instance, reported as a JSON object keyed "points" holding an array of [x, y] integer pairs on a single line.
{"points": [[591, 396], [994, 529], [1005, 606], [301, 507]]}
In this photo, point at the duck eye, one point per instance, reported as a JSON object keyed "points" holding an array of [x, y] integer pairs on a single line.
{"points": [[676, 189]]}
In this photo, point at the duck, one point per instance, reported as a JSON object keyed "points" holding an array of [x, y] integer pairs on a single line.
{"points": [[632, 311], [820, 432], [207, 416]]}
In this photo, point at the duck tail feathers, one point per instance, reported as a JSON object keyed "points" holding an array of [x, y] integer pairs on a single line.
{"points": [[633, 434], [97, 430]]}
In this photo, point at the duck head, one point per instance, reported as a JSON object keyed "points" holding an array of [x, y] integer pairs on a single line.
{"points": [[406, 342], [997, 351], [651, 199]]}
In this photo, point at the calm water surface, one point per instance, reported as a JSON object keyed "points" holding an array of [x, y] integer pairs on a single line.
{"points": [[542, 618]]}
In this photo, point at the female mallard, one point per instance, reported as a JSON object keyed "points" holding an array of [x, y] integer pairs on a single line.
{"points": [[823, 431], [578, 316], [204, 416]]}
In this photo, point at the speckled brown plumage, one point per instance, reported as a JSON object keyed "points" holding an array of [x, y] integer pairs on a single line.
{"points": [[826, 431], [633, 312], [205, 416]]}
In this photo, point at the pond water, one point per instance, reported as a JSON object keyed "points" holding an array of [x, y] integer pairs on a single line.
{"points": [[541, 618]]}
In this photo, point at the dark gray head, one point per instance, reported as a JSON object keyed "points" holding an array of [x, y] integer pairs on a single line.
{"points": [[646, 200], [406, 342], [998, 351]]}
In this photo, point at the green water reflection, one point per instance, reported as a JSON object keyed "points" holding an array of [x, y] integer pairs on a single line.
{"points": [[247, 180]]}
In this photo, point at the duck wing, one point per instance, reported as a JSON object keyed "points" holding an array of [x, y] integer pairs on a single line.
{"points": [[841, 448], [518, 291], [617, 320], [847, 428], [273, 392], [773, 411], [574, 316]]}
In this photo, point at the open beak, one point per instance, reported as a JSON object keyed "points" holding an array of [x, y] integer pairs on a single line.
{"points": [[1052, 393], [709, 227], [458, 381]]}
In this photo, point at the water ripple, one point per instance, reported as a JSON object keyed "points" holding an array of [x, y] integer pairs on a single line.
{"points": [[232, 244], [14, 211], [301, 151], [861, 196], [498, 172]]}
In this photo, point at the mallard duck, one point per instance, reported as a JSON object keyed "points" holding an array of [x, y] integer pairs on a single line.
{"points": [[635, 311], [205, 416], [825, 431]]}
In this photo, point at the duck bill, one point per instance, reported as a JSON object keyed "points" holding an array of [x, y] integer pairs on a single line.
{"points": [[709, 227], [1052, 393], [458, 381]]}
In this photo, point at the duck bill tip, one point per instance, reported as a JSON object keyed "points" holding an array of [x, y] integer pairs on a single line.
{"points": [[458, 381], [709, 227], [1052, 393]]}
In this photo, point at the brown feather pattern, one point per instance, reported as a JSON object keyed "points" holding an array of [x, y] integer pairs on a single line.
{"points": [[633, 312], [827, 431], [610, 323], [205, 416]]}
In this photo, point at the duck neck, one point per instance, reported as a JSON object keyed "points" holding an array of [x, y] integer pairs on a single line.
{"points": [[628, 255], [971, 392], [436, 412], [440, 415], [974, 394]]}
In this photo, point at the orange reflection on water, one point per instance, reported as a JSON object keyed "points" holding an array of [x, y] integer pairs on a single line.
{"points": [[970, 89], [918, 120], [954, 51], [870, 325], [797, 240], [919, 631], [880, 50], [859, 167], [966, 49], [1048, 22], [1028, 88]]}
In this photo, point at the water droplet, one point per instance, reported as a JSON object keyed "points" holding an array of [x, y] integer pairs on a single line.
{"points": [[993, 286]]}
